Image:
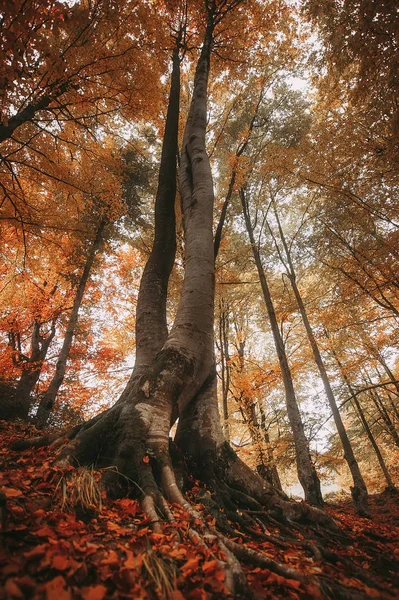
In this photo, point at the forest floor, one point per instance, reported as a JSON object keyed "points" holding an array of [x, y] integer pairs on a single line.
{"points": [[54, 548]]}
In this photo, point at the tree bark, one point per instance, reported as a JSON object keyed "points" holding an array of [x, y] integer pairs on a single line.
{"points": [[47, 399], [306, 471]]}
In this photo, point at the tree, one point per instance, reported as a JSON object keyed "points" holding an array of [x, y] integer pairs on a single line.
{"points": [[47, 399], [306, 471], [178, 378], [359, 489], [367, 429]]}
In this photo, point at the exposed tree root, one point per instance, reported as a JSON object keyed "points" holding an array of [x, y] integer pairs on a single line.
{"points": [[239, 500]]}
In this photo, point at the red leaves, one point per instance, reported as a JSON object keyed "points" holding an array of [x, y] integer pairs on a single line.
{"points": [[63, 558]]}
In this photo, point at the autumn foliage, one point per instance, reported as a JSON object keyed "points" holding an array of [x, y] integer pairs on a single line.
{"points": [[199, 298]]}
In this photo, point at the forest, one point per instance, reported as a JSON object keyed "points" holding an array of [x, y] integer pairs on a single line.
{"points": [[199, 299]]}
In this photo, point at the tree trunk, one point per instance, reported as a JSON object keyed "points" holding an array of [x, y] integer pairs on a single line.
{"points": [[359, 489], [180, 382], [306, 471], [271, 468], [47, 399], [32, 369], [364, 422], [264, 459], [225, 366]]}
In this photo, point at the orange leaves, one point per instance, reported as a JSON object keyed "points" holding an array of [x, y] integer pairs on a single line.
{"points": [[94, 592], [190, 566], [56, 589], [60, 562], [11, 492]]}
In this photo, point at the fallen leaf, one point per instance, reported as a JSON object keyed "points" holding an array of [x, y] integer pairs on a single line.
{"points": [[55, 589], [36, 552], [60, 562], [11, 492], [190, 566], [94, 592]]}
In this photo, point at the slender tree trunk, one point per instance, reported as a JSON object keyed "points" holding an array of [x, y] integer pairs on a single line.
{"points": [[239, 152], [225, 366], [364, 422], [389, 425], [306, 471], [388, 371], [359, 489], [47, 400], [272, 471], [264, 460], [151, 323], [32, 370]]}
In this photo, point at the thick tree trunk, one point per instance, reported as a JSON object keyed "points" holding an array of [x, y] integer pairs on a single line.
{"points": [[47, 399], [359, 489], [133, 435], [306, 471]]}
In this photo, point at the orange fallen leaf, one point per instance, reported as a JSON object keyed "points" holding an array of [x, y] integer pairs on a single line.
{"points": [[146, 459], [210, 566], [60, 562], [131, 562], [176, 595], [45, 532], [55, 589], [190, 566], [111, 559], [36, 552], [11, 492], [94, 592]]}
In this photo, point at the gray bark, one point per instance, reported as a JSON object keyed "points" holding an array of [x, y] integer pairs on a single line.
{"points": [[306, 471], [359, 489], [151, 323]]}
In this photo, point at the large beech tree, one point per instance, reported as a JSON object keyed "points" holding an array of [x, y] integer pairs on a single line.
{"points": [[175, 374]]}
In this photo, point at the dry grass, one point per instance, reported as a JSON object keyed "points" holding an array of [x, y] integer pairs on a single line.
{"points": [[79, 488], [161, 571]]}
